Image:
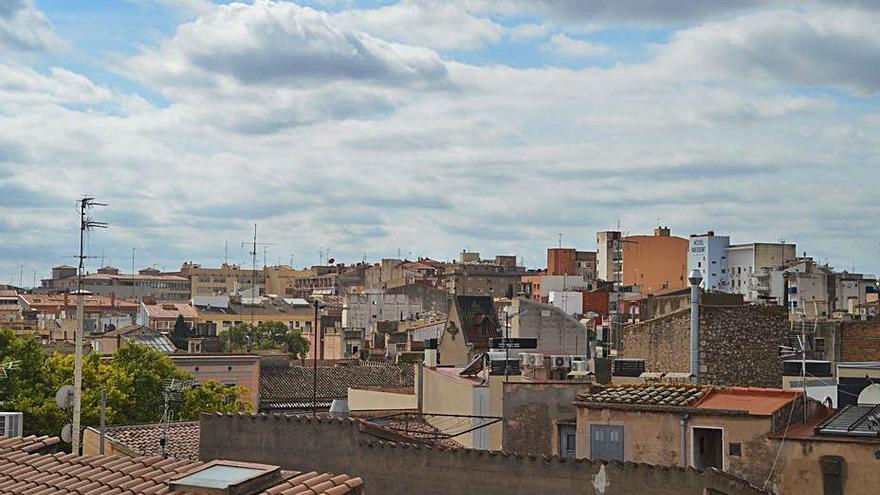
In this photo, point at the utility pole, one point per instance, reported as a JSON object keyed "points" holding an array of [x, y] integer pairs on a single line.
{"points": [[315, 360], [85, 223]]}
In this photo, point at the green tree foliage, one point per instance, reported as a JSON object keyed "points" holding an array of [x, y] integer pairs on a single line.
{"points": [[212, 397], [133, 379], [266, 335], [182, 331]]}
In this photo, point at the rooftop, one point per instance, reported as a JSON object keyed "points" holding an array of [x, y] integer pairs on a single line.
{"points": [[291, 387], [748, 400], [57, 301], [143, 439], [25, 468], [171, 310]]}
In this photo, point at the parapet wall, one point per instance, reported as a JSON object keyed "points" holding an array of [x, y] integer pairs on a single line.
{"points": [[304, 443], [738, 344]]}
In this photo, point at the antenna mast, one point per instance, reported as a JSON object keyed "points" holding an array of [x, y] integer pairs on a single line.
{"points": [[254, 289], [85, 223]]}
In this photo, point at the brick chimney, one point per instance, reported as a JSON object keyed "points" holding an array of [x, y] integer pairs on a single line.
{"points": [[65, 299], [112, 299], [661, 232]]}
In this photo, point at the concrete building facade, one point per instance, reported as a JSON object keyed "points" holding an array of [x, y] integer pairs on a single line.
{"points": [[707, 253], [754, 270]]}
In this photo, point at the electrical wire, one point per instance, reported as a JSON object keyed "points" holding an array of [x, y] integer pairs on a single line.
{"points": [[779, 451]]}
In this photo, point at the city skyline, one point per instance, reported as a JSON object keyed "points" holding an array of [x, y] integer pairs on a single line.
{"points": [[433, 127]]}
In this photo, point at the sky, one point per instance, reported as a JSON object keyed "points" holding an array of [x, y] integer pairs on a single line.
{"points": [[427, 127]]}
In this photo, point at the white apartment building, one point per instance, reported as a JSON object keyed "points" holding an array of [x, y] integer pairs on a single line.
{"points": [[609, 256], [708, 254], [755, 270]]}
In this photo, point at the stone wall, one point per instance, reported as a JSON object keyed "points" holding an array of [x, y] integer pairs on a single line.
{"points": [[532, 411], [738, 344], [342, 446], [860, 341]]}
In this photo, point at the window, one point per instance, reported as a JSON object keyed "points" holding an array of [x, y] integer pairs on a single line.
{"points": [[819, 344], [606, 442], [734, 448], [567, 441]]}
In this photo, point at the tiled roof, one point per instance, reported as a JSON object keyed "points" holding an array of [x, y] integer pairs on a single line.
{"points": [[749, 400], [143, 439], [171, 310], [678, 395], [43, 301], [282, 385], [22, 471]]}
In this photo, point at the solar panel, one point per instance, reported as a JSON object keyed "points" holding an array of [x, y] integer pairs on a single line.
{"points": [[854, 421]]}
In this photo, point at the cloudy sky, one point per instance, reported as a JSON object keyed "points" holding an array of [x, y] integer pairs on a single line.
{"points": [[432, 126]]}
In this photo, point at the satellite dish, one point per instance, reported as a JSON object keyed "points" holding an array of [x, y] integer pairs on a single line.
{"points": [[870, 395], [331, 261], [64, 397], [67, 432]]}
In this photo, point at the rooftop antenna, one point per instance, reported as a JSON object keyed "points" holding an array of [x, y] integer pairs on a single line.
{"points": [[254, 290], [132, 274], [226, 253], [172, 394], [560, 240], [86, 223]]}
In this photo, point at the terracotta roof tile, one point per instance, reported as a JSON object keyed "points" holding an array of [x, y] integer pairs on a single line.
{"points": [[29, 473], [143, 439], [291, 387]]}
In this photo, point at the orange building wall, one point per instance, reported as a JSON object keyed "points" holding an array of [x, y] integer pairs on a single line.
{"points": [[652, 261]]}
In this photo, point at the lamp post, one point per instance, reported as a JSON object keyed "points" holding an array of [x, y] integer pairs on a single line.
{"points": [[695, 278]]}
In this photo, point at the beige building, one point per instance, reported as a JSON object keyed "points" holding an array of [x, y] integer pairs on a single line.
{"points": [[109, 281], [687, 425], [225, 369], [215, 281]]}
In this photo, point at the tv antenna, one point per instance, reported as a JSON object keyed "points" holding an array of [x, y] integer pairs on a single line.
{"points": [[86, 223], [172, 395], [253, 252]]}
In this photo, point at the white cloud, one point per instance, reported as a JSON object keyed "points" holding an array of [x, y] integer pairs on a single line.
{"points": [[291, 118], [431, 23], [823, 48], [272, 42], [560, 44], [24, 28]]}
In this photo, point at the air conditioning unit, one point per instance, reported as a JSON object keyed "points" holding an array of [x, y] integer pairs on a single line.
{"points": [[557, 362], [580, 366], [11, 423], [537, 360]]}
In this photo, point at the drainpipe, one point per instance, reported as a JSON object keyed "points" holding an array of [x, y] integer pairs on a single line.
{"points": [[695, 278], [421, 384], [684, 421]]}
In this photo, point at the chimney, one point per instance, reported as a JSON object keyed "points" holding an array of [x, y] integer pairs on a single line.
{"points": [[65, 299], [112, 299], [661, 232], [695, 278]]}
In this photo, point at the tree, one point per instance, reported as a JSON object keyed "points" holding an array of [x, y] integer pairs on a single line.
{"points": [[182, 331], [212, 397], [133, 379], [296, 345]]}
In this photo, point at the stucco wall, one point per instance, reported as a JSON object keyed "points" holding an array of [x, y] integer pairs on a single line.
{"points": [[532, 412], [738, 344], [655, 438], [801, 473], [557, 332], [444, 394], [339, 446], [378, 400]]}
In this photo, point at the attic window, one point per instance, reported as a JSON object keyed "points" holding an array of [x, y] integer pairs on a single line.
{"points": [[227, 478]]}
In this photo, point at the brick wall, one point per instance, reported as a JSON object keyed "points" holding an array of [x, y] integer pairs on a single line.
{"points": [[738, 344], [860, 341], [341, 446]]}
